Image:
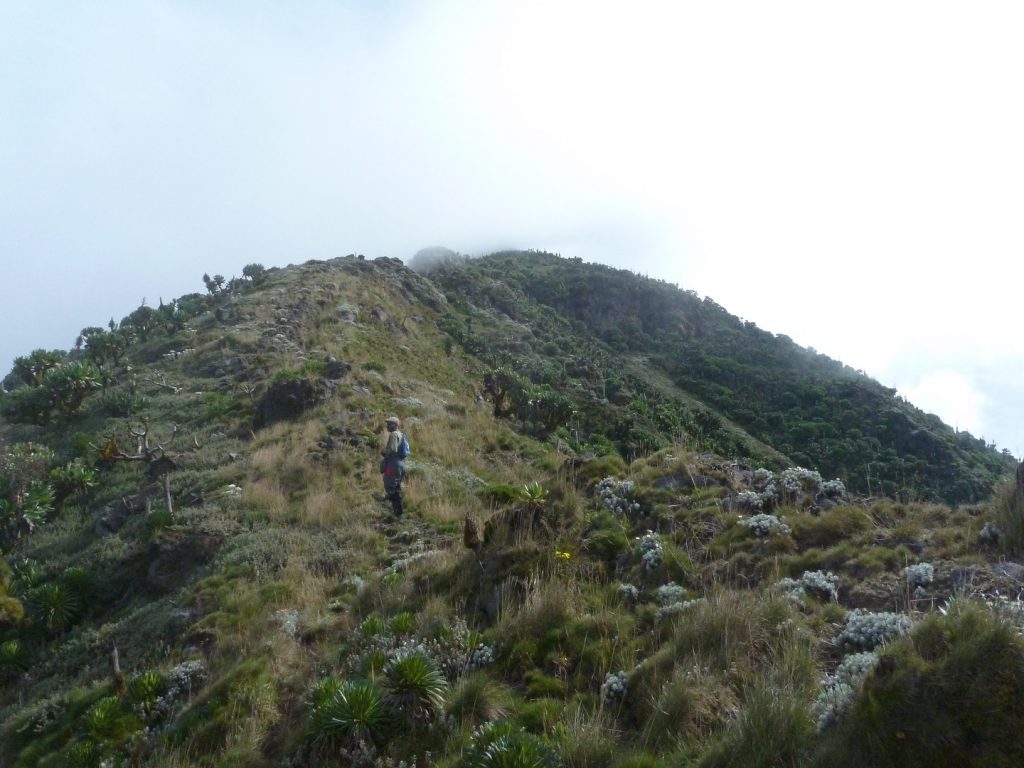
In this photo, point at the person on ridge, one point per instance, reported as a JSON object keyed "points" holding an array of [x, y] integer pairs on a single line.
{"points": [[392, 466]]}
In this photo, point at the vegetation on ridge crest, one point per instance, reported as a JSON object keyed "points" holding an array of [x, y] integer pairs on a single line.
{"points": [[596, 568]]}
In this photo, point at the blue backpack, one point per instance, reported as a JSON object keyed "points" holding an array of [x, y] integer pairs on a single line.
{"points": [[403, 449]]}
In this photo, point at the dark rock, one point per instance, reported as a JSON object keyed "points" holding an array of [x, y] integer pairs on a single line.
{"points": [[134, 503], [110, 519], [175, 554], [346, 313], [160, 467], [673, 482], [192, 499], [114, 516], [289, 399], [335, 369]]}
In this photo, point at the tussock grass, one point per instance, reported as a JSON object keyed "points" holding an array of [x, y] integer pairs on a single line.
{"points": [[772, 729], [444, 510], [547, 604], [687, 706], [320, 508], [267, 497], [477, 698], [586, 739], [729, 628]]}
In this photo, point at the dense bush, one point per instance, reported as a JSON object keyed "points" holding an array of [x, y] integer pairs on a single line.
{"points": [[951, 693]]}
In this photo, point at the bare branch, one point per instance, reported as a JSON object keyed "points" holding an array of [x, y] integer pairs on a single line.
{"points": [[159, 381]]}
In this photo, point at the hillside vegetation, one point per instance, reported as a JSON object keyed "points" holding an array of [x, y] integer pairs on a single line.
{"points": [[638, 532]]}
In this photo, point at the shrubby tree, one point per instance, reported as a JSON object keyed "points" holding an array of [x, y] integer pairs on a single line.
{"points": [[11, 608], [26, 496], [29, 370], [550, 409], [159, 460], [68, 385], [213, 284], [48, 389], [143, 321], [102, 346], [26, 405], [255, 273], [507, 390]]}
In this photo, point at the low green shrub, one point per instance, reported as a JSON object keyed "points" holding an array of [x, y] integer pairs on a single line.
{"points": [[540, 684], [950, 693], [605, 537], [831, 527]]}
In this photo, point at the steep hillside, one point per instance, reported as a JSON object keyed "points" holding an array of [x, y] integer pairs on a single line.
{"points": [[600, 563], [814, 410]]}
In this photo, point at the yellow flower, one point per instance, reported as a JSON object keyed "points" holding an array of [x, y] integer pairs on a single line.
{"points": [[562, 555]]}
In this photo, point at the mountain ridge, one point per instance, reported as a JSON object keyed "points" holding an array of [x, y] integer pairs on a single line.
{"points": [[596, 568]]}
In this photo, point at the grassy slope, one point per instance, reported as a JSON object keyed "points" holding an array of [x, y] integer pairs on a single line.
{"points": [[305, 576]]}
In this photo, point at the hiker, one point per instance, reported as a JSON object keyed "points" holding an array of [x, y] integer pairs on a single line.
{"points": [[392, 466]]}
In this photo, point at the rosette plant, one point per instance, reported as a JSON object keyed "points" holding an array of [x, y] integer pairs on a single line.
{"points": [[345, 714], [415, 685]]}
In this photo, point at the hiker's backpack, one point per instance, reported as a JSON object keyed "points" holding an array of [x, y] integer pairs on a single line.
{"points": [[403, 448]]}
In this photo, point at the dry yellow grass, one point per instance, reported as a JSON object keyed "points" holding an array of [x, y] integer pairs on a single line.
{"points": [[266, 496], [320, 508], [267, 459]]}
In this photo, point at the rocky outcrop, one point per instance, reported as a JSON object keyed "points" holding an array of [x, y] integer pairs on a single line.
{"points": [[290, 398]]}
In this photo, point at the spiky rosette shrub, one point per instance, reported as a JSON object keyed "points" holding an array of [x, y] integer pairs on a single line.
{"points": [[79, 581], [55, 606], [145, 691], [109, 721], [85, 754], [415, 685], [403, 623], [345, 714], [27, 575], [13, 660], [502, 745]]}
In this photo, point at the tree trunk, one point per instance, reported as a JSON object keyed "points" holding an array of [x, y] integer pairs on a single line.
{"points": [[167, 492], [120, 687]]}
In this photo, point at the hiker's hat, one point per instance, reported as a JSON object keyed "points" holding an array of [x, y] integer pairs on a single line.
{"points": [[392, 420]]}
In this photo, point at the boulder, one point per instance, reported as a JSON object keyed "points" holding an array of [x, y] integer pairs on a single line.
{"points": [[289, 399], [335, 369], [175, 554]]}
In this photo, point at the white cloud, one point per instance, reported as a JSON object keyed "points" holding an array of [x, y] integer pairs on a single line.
{"points": [[846, 174], [952, 396]]}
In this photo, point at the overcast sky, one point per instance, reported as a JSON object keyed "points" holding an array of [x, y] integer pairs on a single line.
{"points": [[849, 174]]}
